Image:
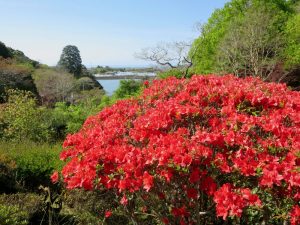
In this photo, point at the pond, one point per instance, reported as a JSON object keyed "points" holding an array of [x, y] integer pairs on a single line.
{"points": [[109, 86]]}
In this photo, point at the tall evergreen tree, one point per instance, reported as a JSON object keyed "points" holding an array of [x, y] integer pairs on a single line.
{"points": [[70, 60]]}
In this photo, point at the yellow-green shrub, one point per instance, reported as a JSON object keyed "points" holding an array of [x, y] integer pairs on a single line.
{"points": [[34, 162]]}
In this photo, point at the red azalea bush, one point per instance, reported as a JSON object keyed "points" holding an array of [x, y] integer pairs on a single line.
{"points": [[195, 151]]}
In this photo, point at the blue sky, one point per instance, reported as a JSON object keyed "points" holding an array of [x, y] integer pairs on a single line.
{"points": [[107, 32]]}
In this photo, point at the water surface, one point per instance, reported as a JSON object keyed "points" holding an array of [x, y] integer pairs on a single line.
{"points": [[109, 86]]}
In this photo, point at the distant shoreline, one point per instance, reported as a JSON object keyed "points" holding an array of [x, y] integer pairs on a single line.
{"points": [[122, 77], [117, 75]]}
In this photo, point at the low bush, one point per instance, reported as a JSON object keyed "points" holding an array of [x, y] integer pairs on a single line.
{"points": [[34, 163], [127, 89], [20, 208], [22, 119], [69, 118], [178, 73], [12, 215], [87, 206], [200, 151]]}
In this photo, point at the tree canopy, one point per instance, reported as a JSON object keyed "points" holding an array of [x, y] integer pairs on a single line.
{"points": [[292, 51], [70, 60], [247, 35]]}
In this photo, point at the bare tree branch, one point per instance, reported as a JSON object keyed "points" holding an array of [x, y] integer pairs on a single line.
{"points": [[173, 55]]}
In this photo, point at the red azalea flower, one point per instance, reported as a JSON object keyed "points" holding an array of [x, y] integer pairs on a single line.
{"points": [[189, 134], [147, 180], [54, 177], [295, 215], [108, 213], [124, 200]]}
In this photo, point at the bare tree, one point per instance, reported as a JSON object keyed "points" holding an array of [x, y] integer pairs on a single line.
{"points": [[54, 85], [174, 55], [252, 45]]}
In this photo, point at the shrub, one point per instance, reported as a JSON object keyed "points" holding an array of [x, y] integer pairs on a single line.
{"points": [[21, 58], [178, 73], [11, 215], [127, 88], [87, 206], [70, 118], [195, 151], [20, 208], [32, 163], [22, 119], [89, 98]]}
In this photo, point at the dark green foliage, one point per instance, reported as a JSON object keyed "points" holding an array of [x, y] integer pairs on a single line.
{"points": [[7, 174], [21, 58], [70, 60], [68, 118], [34, 168], [4, 51], [17, 55], [127, 88], [96, 83]]}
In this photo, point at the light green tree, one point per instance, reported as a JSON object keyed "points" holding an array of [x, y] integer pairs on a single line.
{"points": [[236, 15], [292, 35]]}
